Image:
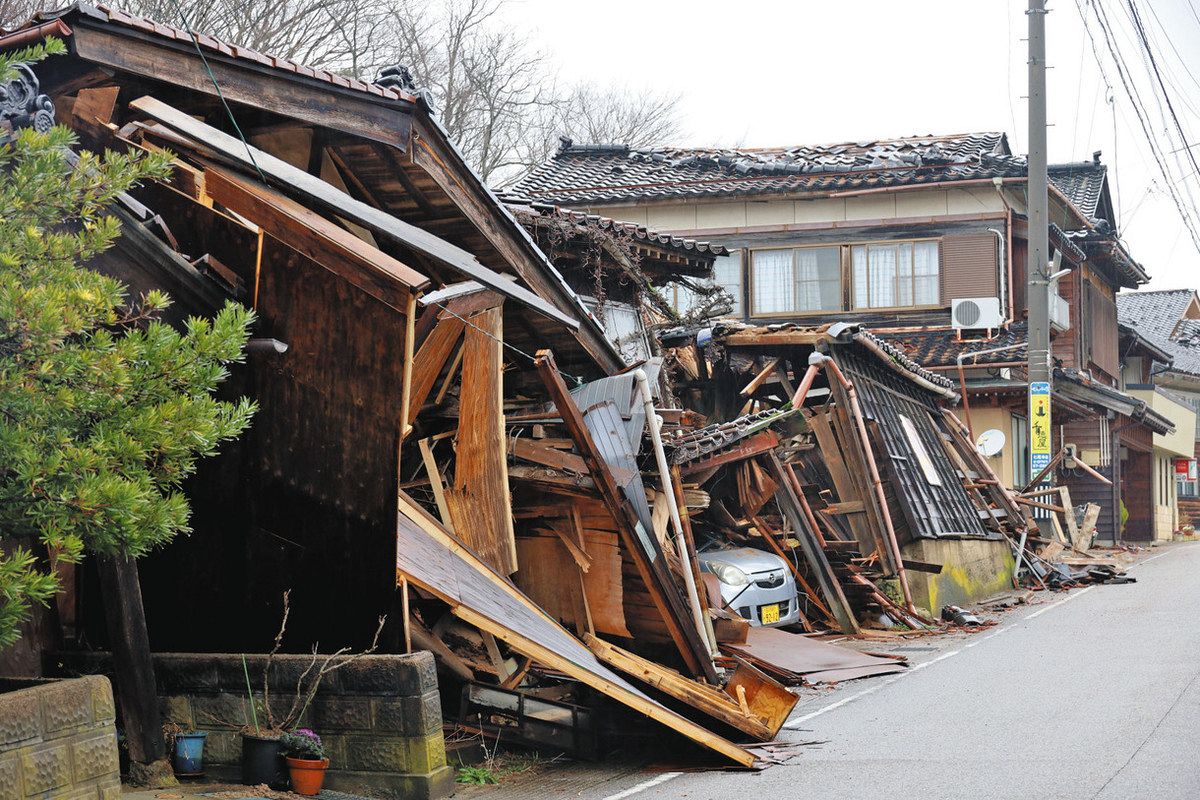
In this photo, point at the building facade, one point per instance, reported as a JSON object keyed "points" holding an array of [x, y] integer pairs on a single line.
{"points": [[1171, 320], [923, 239]]}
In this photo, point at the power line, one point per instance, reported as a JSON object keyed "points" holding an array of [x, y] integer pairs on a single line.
{"points": [[1139, 111], [220, 95], [1166, 96]]}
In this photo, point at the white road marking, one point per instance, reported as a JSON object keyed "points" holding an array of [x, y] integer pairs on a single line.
{"points": [[644, 785], [1066, 599], [795, 723], [1148, 560]]}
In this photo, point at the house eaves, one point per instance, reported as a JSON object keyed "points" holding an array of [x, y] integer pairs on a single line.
{"points": [[1082, 387]]}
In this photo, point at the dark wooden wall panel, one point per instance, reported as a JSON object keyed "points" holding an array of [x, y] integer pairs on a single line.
{"points": [[306, 498]]}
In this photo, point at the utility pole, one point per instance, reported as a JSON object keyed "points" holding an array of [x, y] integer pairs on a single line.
{"points": [[1038, 258]]}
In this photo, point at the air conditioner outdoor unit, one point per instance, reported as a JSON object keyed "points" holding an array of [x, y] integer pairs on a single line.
{"points": [[976, 312]]}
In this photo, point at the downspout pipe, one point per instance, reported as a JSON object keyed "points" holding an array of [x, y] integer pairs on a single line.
{"points": [[1002, 272], [681, 547]]}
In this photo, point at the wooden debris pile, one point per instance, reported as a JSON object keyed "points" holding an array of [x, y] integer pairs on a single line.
{"points": [[1057, 553], [862, 459]]}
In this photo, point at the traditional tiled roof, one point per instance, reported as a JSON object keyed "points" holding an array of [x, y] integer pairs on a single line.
{"points": [[681, 245], [1082, 183], [106, 13], [581, 174], [1187, 347], [1154, 315], [941, 348], [1158, 317]]}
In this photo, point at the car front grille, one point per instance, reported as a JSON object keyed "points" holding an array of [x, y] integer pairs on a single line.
{"points": [[770, 580]]}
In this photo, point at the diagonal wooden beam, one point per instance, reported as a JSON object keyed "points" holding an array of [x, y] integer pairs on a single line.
{"points": [[651, 565]]}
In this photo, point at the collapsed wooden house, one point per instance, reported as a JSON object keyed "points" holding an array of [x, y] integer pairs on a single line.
{"points": [[445, 410], [398, 307], [875, 464]]}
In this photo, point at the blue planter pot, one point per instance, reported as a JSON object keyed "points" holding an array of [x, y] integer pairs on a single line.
{"points": [[189, 753]]}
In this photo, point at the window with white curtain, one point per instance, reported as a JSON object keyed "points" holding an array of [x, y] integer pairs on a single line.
{"points": [[796, 280], [774, 280], [895, 275]]}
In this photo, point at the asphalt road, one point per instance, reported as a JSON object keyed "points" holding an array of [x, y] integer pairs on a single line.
{"points": [[1090, 694]]}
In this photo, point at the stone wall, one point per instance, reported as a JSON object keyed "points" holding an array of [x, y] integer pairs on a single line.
{"points": [[58, 739], [379, 717]]}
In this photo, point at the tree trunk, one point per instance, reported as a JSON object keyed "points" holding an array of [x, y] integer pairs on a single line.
{"points": [[133, 671]]}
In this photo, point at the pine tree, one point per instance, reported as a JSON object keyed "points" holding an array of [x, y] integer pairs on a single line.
{"points": [[104, 409]]}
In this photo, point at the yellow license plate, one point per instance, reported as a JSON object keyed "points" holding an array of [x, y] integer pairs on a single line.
{"points": [[769, 614]]}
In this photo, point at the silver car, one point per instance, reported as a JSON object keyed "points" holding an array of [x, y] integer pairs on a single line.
{"points": [[755, 584]]}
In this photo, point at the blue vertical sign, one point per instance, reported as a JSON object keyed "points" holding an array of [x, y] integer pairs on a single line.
{"points": [[1039, 426]]}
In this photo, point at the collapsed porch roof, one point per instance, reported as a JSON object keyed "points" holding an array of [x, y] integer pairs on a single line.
{"points": [[409, 167]]}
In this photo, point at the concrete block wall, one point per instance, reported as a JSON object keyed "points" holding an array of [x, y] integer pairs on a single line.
{"points": [[972, 570], [379, 717], [58, 740]]}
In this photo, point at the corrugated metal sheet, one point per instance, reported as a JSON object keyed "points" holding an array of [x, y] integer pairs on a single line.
{"points": [[622, 390], [608, 430], [932, 511], [969, 267]]}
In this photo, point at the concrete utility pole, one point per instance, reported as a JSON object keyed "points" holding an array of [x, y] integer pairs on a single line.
{"points": [[1038, 259]]}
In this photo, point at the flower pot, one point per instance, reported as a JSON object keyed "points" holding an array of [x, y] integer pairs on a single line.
{"points": [[262, 762], [189, 753], [307, 775]]}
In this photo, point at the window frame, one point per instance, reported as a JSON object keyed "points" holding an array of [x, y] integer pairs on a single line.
{"points": [[845, 277], [894, 243], [749, 271]]}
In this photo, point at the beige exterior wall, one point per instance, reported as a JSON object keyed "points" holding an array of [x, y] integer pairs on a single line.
{"points": [[985, 418], [699, 216], [1182, 441], [1164, 505]]}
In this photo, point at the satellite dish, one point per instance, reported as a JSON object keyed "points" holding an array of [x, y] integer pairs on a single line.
{"points": [[990, 442]]}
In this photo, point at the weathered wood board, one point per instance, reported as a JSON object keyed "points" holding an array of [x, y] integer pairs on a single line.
{"points": [[479, 501], [435, 561]]}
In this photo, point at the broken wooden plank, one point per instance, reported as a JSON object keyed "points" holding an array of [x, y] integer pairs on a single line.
{"points": [[435, 482], [331, 246], [337, 201], [760, 721], [538, 453], [479, 499], [429, 360], [760, 378], [639, 544], [438, 563], [824, 573]]}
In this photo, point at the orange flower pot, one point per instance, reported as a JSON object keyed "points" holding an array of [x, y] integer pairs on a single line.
{"points": [[307, 775]]}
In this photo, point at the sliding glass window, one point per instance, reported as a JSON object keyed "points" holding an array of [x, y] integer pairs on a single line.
{"points": [[895, 275], [796, 280]]}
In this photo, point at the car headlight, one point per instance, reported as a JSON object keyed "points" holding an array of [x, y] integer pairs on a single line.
{"points": [[728, 574]]}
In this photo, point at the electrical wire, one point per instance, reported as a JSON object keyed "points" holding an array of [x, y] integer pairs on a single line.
{"points": [[187, 27], [1140, 112], [578, 381]]}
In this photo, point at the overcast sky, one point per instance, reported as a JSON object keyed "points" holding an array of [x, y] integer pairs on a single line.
{"points": [[757, 73]]}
